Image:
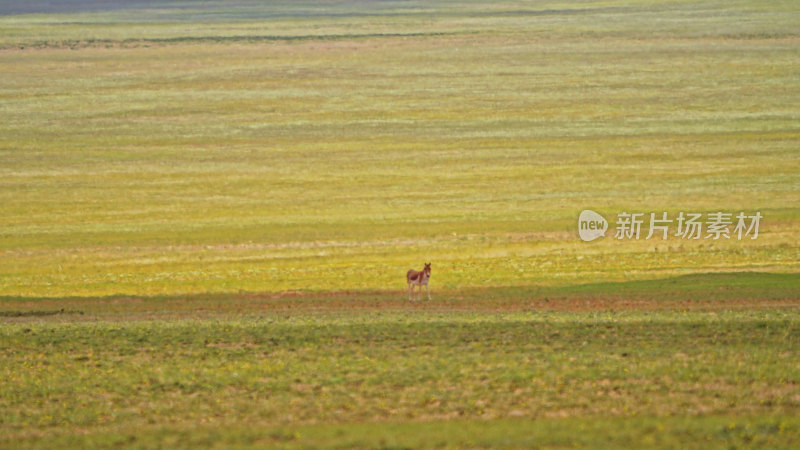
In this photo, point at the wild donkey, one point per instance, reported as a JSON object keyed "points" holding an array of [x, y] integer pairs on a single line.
{"points": [[419, 278]]}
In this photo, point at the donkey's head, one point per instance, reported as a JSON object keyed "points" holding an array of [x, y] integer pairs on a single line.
{"points": [[427, 269]]}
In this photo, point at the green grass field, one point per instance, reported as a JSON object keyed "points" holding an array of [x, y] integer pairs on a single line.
{"points": [[207, 212]]}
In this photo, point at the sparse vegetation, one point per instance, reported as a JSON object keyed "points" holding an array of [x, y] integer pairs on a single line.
{"points": [[290, 371]]}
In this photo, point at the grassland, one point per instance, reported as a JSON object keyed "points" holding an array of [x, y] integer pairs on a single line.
{"points": [[182, 163], [502, 368], [192, 190]]}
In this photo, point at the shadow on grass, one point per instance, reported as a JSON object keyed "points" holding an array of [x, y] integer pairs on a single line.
{"points": [[38, 313], [743, 290], [709, 286]]}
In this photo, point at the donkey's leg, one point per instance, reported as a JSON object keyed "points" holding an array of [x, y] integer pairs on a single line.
{"points": [[427, 290], [410, 288]]}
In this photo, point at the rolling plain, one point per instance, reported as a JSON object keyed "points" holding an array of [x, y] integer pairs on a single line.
{"points": [[207, 212]]}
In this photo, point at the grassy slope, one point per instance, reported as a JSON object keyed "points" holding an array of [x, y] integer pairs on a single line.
{"points": [[301, 374], [196, 152], [693, 360]]}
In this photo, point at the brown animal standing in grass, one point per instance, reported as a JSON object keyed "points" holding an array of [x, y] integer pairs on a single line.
{"points": [[418, 278]]}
